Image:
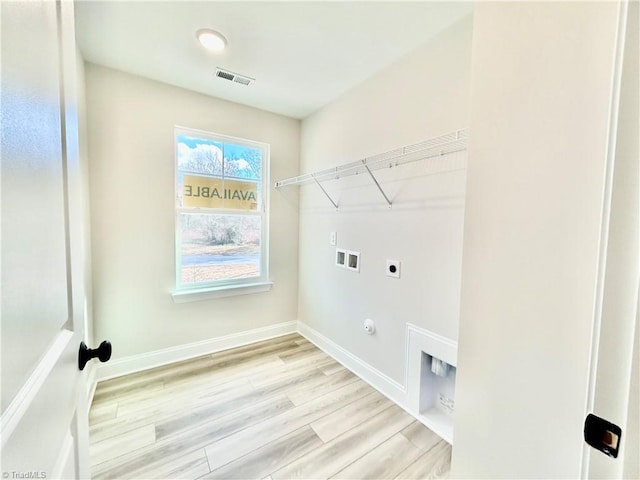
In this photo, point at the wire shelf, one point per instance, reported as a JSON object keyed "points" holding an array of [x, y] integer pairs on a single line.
{"points": [[432, 148]]}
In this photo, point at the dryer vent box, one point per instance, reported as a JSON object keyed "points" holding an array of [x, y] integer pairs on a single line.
{"points": [[353, 261]]}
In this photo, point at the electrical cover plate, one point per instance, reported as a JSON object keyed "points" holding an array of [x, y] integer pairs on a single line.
{"points": [[393, 268], [602, 435]]}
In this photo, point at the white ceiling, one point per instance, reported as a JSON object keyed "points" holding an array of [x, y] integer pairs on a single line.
{"points": [[303, 55]]}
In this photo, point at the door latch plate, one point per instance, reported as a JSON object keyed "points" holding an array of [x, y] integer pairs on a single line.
{"points": [[602, 435]]}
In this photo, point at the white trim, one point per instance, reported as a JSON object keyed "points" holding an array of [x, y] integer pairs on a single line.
{"points": [[442, 347], [378, 380], [183, 296], [64, 463], [137, 363], [612, 136], [25, 396], [219, 137]]}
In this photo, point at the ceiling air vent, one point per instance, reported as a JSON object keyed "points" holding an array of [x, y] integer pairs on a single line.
{"points": [[242, 80], [233, 77]]}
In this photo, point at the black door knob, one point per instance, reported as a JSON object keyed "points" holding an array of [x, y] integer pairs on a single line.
{"points": [[103, 353]]}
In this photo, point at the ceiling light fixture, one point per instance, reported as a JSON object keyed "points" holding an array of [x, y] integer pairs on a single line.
{"points": [[211, 40]]}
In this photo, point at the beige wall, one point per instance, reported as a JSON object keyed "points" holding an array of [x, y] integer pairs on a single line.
{"points": [[423, 95], [131, 146], [536, 179]]}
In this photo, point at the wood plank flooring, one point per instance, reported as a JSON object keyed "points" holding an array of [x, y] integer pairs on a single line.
{"points": [[274, 410]]}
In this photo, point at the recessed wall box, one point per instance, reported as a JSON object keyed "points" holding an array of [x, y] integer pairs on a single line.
{"points": [[341, 257], [353, 261], [437, 388]]}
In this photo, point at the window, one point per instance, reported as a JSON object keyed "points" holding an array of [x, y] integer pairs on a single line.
{"points": [[221, 211]]}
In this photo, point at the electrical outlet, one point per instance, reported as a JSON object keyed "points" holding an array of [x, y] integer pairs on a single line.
{"points": [[393, 268], [333, 238]]}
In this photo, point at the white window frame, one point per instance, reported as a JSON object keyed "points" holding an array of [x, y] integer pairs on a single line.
{"points": [[185, 292]]}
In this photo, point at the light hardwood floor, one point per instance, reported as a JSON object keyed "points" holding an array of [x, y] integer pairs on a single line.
{"points": [[276, 409]]}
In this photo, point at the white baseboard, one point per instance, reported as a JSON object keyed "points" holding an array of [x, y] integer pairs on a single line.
{"points": [[378, 380], [137, 363]]}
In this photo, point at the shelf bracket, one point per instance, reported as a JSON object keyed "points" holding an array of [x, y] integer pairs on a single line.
{"points": [[325, 192], [364, 162]]}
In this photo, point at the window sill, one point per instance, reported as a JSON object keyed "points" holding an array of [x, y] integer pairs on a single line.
{"points": [[184, 296]]}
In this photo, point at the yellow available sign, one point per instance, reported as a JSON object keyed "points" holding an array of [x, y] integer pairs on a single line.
{"points": [[211, 192]]}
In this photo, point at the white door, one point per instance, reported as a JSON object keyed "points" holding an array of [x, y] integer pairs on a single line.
{"points": [[44, 408]]}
